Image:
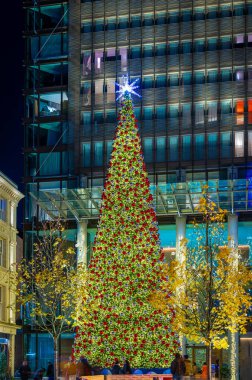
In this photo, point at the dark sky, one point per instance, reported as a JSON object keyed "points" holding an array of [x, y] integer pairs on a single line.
{"points": [[11, 100]]}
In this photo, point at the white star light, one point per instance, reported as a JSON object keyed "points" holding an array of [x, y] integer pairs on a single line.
{"points": [[127, 88]]}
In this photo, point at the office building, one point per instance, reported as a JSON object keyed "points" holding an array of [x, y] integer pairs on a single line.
{"points": [[194, 64]]}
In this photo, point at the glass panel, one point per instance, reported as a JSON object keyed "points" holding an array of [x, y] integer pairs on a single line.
{"points": [[186, 47], [135, 21], [173, 48], [148, 82], [148, 51], [212, 112], [212, 12], [212, 145], [173, 148], [187, 78], [99, 25], [135, 52], [212, 76], [111, 24], [239, 144], [86, 154], [212, 44], [148, 19], [186, 147], [123, 23], [250, 143], [173, 80], [161, 18], [160, 149], [226, 75], [199, 114], [110, 116], [199, 46], [186, 114], [148, 149], [199, 14], [174, 17], [148, 113], [109, 147], [199, 77], [226, 107], [199, 147], [226, 43], [161, 112], [186, 15], [161, 80], [226, 144], [161, 49], [49, 163], [98, 153], [87, 27]]}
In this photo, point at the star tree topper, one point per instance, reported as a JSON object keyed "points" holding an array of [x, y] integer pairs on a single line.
{"points": [[127, 88]]}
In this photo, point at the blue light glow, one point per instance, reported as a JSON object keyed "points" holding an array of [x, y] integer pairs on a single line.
{"points": [[127, 88]]}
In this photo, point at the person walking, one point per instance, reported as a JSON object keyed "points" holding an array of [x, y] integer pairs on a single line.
{"points": [[116, 369], [50, 371], [126, 368], [178, 367], [25, 370], [204, 371], [188, 366]]}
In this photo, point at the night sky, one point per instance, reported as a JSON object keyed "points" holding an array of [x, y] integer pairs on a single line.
{"points": [[11, 100]]}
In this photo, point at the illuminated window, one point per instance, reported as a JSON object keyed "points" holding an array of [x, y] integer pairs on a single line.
{"points": [[239, 144], [250, 143], [239, 109], [98, 60], [2, 308], [124, 58], [199, 113], [212, 112], [239, 75], [239, 40], [250, 111], [110, 90]]}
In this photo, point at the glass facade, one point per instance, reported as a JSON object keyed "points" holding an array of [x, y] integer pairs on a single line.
{"points": [[194, 64]]}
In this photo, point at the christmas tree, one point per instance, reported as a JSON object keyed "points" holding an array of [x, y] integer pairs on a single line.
{"points": [[119, 321]]}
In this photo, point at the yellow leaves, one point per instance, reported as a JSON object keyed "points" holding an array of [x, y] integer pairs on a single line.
{"points": [[220, 343]]}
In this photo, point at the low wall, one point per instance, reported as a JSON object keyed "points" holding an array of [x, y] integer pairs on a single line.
{"points": [[128, 377]]}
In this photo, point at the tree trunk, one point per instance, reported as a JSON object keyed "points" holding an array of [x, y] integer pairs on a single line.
{"points": [[209, 361], [56, 357]]}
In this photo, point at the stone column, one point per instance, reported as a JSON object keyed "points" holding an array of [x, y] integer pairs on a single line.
{"points": [[233, 338], [180, 234], [82, 242]]}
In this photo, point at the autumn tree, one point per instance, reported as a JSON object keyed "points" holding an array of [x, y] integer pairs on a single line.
{"points": [[208, 285], [51, 284], [125, 264]]}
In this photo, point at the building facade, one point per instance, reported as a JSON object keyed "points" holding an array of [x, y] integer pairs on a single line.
{"points": [[9, 199], [194, 64]]}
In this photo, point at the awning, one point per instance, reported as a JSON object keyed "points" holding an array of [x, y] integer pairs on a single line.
{"points": [[169, 198]]}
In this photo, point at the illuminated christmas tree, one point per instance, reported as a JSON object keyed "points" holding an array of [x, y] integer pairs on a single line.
{"points": [[123, 272]]}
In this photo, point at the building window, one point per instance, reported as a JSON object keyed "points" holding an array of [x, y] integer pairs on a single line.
{"points": [[212, 112], [135, 52], [199, 46], [98, 61], [173, 80], [199, 14], [226, 107], [199, 147], [226, 42], [226, 144], [98, 153], [187, 78], [111, 24], [160, 149], [239, 144], [250, 143], [212, 44], [2, 253], [199, 77], [186, 147], [86, 63], [123, 22], [148, 19], [161, 112], [161, 49], [148, 51], [3, 209], [86, 155], [173, 148], [239, 75], [109, 148], [173, 48], [12, 215], [161, 81], [148, 149], [239, 109], [239, 40], [148, 82], [49, 163], [123, 52], [199, 113], [212, 76], [226, 75], [148, 113], [186, 115], [135, 21], [212, 142]]}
